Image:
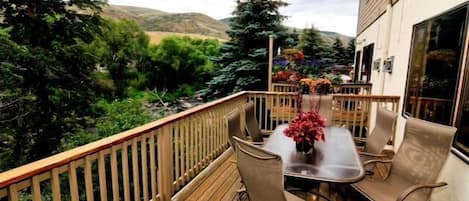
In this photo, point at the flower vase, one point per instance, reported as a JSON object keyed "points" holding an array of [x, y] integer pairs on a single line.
{"points": [[304, 147]]}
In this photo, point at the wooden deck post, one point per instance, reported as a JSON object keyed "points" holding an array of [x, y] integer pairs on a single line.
{"points": [[165, 163]]}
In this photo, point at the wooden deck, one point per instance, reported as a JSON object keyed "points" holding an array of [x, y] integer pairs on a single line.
{"points": [[224, 182], [220, 185]]}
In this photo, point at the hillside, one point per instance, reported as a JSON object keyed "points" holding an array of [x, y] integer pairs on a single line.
{"points": [[198, 25], [155, 20]]}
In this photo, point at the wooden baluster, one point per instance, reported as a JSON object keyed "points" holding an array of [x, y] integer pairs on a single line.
{"points": [[125, 171], [73, 182], [189, 148], [114, 174], [143, 153], [165, 163], [153, 170], [36, 188], [88, 179], [55, 185], [102, 176], [183, 153], [135, 169], [349, 111], [13, 193], [177, 157]]}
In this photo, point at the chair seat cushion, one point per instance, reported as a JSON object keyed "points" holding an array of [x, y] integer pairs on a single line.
{"points": [[291, 197], [387, 190]]}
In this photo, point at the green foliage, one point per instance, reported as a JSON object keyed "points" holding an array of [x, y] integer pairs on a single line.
{"points": [[117, 116], [243, 60], [46, 53], [350, 52], [339, 52], [179, 60], [120, 46], [313, 46]]}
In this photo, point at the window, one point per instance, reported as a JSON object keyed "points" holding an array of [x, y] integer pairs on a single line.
{"points": [[367, 62], [434, 71]]}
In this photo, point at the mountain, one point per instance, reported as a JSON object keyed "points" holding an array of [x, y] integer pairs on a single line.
{"points": [[329, 37], [160, 21]]}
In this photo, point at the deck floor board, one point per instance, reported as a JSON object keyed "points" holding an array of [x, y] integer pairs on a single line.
{"points": [[224, 182]]}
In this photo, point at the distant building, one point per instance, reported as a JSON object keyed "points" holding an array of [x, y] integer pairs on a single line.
{"points": [[418, 49]]}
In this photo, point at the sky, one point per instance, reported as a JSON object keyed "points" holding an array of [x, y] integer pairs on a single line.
{"points": [[326, 15]]}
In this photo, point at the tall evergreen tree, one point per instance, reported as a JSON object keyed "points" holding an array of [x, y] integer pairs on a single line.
{"points": [[350, 52], [55, 87], [312, 44], [339, 52], [244, 59]]}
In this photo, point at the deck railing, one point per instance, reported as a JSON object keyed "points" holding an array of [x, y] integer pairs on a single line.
{"points": [[348, 88], [157, 160]]}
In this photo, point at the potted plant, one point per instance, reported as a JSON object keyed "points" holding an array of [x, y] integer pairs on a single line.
{"points": [[320, 86], [305, 129]]}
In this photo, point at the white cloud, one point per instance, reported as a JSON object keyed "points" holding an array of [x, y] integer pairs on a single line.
{"points": [[327, 15]]}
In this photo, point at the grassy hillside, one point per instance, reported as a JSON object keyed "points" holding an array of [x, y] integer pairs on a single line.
{"points": [[157, 36], [155, 20]]}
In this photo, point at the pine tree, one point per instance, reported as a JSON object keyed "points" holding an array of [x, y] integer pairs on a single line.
{"points": [[350, 52], [312, 44], [339, 52], [55, 87], [244, 59]]}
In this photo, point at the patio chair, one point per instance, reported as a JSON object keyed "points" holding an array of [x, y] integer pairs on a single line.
{"points": [[261, 172], [233, 120], [415, 167], [252, 126], [320, 103], [379, 137]]}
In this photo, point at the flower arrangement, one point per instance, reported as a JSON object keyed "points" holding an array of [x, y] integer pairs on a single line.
{"points": [[293, 55], [306, 128], [287, 75], [321, 85]]}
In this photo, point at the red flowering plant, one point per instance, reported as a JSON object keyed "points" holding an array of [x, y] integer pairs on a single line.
{"points": [[306, 127]]}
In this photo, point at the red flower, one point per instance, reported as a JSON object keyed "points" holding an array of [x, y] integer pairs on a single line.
{"points": [[307, 126]]}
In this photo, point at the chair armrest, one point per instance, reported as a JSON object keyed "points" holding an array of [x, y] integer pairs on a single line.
{"points": [[376, 161], [414, 188], [371, 154], [258, 143]]}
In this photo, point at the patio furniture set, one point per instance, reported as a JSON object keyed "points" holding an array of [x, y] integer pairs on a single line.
{"points": [[267, 164]]}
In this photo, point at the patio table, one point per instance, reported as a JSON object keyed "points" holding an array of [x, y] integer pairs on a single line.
{"points": [[334, 161]]}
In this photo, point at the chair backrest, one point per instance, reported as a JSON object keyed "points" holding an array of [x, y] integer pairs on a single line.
{"points": [[252, 126], [233, 120], [319, 103], [423, 151], [384, 128], [261, 172]]}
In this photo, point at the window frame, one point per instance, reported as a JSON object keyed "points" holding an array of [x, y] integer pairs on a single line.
{"points": [[462, 76]]}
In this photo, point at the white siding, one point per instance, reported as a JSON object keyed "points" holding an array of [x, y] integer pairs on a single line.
{"points": [[405, 14]]}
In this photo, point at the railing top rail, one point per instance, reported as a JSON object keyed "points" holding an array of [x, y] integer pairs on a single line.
{"points": [[272, 93], [26, 171], [355, 84], [366, 96]]}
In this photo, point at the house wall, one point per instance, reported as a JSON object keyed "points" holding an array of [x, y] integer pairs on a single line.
{"points": [[405, 14]]}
